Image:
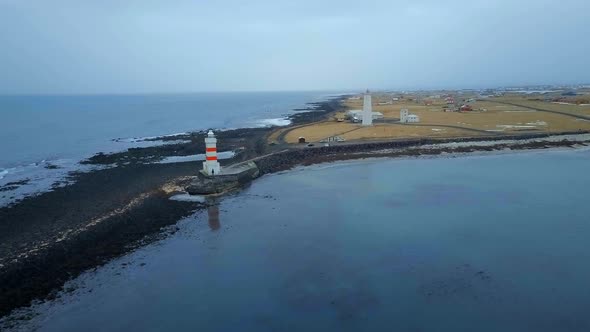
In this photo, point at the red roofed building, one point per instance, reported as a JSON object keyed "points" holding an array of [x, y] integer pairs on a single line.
{"points": [[466, 108]]}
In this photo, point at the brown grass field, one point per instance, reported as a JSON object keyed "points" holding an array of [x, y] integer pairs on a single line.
{"points": [[489, 115]]}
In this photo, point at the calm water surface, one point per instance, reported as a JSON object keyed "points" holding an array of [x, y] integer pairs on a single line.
{"points": [[481, 243]]}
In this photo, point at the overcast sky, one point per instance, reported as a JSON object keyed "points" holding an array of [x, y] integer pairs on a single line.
{"points": [[117, 46]]}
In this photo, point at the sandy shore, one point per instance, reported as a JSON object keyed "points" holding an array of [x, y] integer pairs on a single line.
{"points": [[51, 238]]}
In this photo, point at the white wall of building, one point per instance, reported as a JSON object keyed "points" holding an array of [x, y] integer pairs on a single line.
{"points": [[403, 115], [406, 117], [367, 110]]}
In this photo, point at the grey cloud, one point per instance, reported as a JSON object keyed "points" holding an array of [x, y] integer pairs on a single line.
{"points": [[83, 46]]}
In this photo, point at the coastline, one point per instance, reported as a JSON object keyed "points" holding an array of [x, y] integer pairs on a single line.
{"points": [[106, 213], [49, 238], [442, 155], [416, 147], [28, 168]]}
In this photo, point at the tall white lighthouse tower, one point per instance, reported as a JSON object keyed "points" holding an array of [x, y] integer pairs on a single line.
{"points": [[211, 165], [367, 110]]}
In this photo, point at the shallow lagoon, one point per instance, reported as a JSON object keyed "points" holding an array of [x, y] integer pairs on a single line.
{"points": [[478, 243]]}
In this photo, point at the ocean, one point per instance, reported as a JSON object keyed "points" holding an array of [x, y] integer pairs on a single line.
{"points": [[494, 242], [42, 138]]}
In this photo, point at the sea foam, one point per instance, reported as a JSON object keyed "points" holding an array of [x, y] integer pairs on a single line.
{"points": [[188, 198], [277, 122], [146, 138], [38, 177]]}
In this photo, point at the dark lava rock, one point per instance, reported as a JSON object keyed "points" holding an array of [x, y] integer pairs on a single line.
{"points": [[236, 176], [211, 185]]}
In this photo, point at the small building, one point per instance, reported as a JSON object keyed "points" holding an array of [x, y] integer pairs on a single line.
{"points": [[466, 108], [406, 117], [301, 139], [403, 115]]}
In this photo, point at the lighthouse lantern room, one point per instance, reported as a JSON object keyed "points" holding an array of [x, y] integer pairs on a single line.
{"points": [[211, 165]]}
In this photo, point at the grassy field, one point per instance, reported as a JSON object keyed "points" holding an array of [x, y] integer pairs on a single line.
{"points": [[573, 109], [350, 131], [489, 115]]}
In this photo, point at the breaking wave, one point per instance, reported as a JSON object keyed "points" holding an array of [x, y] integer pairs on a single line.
{"points": [[276, 122]]}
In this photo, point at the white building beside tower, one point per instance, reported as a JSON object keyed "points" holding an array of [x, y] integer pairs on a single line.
{"points": [[403, 115], [367, 110], [211, 165], [406, 117]]}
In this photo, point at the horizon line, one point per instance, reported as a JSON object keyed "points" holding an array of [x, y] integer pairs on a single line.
{"points": [[343, 90]]}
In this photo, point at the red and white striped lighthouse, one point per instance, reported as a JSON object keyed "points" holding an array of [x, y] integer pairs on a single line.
{"points": [[211, 165]]}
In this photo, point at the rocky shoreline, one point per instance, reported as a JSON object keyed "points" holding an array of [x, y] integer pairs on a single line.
{"points": [[48, 239], [51, 238], [417, 147]]}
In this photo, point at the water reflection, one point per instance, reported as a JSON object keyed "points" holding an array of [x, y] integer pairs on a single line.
{"points": [[213, 216]]}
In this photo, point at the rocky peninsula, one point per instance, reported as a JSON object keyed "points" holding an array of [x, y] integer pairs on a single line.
{"points": [[48, 239]]}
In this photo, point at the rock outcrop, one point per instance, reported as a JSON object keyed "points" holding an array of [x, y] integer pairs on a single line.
{"points": [[232, 178]]}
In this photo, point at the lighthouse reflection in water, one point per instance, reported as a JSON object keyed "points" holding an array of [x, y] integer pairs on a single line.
{"points": [[213, 216]]}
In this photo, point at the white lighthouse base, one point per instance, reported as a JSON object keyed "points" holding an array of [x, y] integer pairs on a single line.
{"points": [[211, 168]]}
